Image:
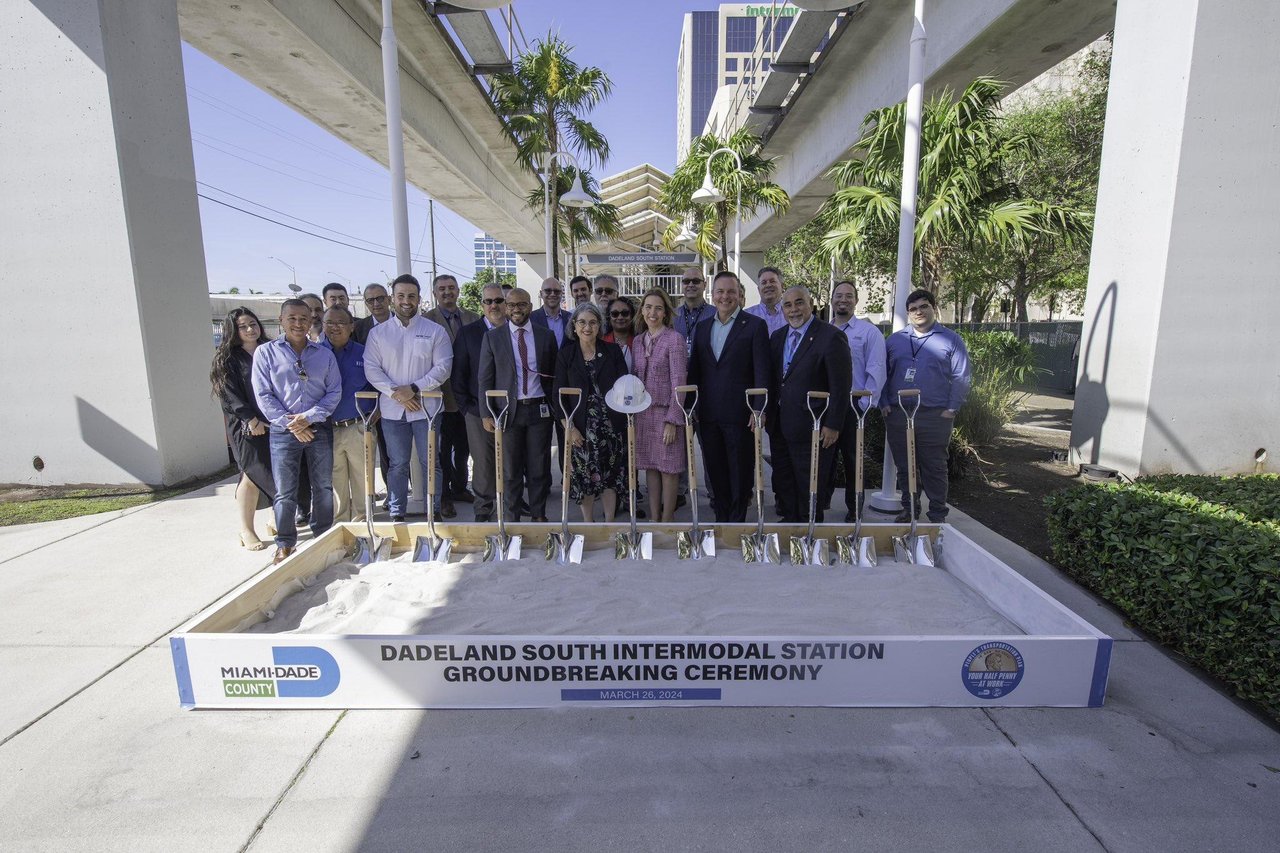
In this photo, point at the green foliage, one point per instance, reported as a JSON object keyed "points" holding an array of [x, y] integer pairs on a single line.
{"points": [[469, 294], [1200, 576], [1256, 497], [574, 226], [1001, 365], [712, 223], [803, 260], [544, 102]]}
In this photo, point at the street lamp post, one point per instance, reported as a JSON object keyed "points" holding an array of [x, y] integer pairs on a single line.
{"points": [[341, 276], [575, 197], [887, 499], [708, 193], [294, 287], [395, 139]]}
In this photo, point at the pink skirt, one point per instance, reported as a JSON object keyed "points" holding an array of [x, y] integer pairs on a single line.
{"points": [[651, 453]]}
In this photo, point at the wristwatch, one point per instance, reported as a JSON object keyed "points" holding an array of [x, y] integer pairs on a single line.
{"points": [[416, 390]]}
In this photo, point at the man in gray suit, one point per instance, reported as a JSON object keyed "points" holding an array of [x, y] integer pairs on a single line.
{"points": [[520, 358]]}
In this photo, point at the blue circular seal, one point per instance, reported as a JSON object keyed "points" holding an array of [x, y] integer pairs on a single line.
{"points": [[992, 670]]}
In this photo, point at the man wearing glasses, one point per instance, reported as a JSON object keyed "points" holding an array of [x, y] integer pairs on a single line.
{"points": [[348, 430], [551, 315], [297, 386], [694, 309], [932, 358], [454, 451], [405, 356], [605, 290], [379, 305], [466, 390]]}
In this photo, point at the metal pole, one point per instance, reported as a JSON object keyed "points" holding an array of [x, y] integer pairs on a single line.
{"points": [[546, 183], [395, 139], [887, 499], [431, 218]]}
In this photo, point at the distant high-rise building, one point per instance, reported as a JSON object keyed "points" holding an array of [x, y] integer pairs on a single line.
{"points": [[490, 253], [722, 48]]}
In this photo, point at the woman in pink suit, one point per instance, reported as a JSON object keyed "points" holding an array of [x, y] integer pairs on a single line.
{"points": [[660, 358]]}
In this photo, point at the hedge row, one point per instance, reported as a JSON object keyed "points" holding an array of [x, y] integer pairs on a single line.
{"points": [[1200, 576]]}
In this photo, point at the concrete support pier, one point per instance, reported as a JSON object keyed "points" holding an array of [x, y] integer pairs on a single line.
{"points": [[107, 348], [1178, 368]]}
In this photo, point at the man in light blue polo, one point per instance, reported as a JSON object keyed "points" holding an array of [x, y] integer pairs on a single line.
{"points": [[298, 385], [866, 345], [930, 357]]}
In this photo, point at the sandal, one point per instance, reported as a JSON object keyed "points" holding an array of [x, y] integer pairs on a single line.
{"points": [[254, 544]]}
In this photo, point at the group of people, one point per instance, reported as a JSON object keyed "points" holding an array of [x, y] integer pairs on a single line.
{"points": [[296, 429]]}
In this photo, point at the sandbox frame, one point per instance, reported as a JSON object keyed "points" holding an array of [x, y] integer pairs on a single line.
{"points": [[1060, 661]]}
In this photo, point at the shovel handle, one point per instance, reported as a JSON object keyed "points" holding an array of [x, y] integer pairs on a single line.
{"points": [[576, 394], [489, 398], [368, 461], [752, 395]]}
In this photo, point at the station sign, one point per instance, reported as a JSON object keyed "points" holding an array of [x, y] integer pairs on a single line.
{"points": [[640, 258]]}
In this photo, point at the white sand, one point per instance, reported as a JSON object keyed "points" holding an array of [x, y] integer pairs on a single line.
{"points": [[603, 596]]}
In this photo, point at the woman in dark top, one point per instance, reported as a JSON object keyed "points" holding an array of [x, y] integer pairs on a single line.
{"points": [[596, 435], [246, 425]]}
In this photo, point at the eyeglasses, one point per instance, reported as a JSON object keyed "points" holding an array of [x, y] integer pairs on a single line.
{"points": [[302, 371], [692, 280], [588, 324], [552, 291], [336, 324], [520, 304], [374, 300], [498, 301], [619, 315], [916, 309], [604, 291]]}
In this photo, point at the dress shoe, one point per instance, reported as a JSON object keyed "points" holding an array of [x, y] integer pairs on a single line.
{"points": [[397, 519], [437, 516], [282, 553], [540, 519], [463, 497], [484, 519], [848, 518], [903, 517], [447, 509]]}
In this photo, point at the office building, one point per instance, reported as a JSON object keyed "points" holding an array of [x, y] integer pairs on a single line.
{"points": [[489, 253], [727, 47]]}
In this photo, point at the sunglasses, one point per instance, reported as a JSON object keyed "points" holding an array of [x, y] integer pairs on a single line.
{"points": [[692, 280], [497, 301], [375, 300], [602, 292], [550, 292], [302, 371]]}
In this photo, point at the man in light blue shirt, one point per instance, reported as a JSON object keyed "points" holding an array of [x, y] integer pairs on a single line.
{"points": [[932, 358], [297, 384], [769, 281], [866, 345]]}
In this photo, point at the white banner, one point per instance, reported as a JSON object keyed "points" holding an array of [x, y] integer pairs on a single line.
{"points": [[490, 671]]}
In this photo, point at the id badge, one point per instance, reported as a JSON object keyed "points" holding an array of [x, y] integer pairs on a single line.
{"points": [[910, 375], [544, 411]]}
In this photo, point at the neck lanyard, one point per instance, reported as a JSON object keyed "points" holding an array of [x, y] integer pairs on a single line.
{"points": [[915, 350]]}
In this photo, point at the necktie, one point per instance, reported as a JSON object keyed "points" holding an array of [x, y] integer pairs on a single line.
{"points": [[454, 324], [793, 340], [524, 361]]}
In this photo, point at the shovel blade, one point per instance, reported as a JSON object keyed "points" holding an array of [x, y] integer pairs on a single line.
{"points": [[639, 548], [498, 549], [922, 551], [810, 552], [902, 552], [564, 553], [429, 550], [845, 551], [867, 557], [370, 550]]}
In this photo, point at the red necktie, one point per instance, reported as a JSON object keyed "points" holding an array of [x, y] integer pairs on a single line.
{"points": [[524, 361]]}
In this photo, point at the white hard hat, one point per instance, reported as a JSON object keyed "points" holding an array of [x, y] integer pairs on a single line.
{"points": [[628, 395]]}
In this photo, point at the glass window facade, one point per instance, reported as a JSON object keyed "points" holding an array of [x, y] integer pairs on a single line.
{"points": [[740, 35], [779, 30], [706, 61], [490, 253], [731, 64]]}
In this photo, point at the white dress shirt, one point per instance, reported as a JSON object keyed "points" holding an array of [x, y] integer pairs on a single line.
{"points": [[535, 384], [396, 355], [867, 346]]}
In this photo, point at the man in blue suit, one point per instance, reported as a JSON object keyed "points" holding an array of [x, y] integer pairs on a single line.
{"points": [[807, 354], [730, 354]]}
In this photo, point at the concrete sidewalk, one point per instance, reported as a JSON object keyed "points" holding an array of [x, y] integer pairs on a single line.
{"points": [[95, 753]]}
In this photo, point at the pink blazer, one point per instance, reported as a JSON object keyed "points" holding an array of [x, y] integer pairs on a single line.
{"points": [[662, 370]]}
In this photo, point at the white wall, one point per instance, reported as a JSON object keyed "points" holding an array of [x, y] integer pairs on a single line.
{"points": [[106, 373], [1178, 370]]}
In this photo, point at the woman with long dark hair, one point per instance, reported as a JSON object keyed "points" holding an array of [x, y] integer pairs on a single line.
{"points": [[246, 425]]}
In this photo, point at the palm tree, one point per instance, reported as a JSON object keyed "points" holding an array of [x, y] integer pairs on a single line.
{"points": [[574, 226], [711, 223], [965, 199], [544, 101]]}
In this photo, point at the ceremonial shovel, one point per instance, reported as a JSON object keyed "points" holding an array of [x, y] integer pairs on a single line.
{"points": [[560, 546], [628, 396], [912, 548], [806, 550], [499, 547], [692, 544], [369, 549], [431, 548], [856, 549], [759, 547]]}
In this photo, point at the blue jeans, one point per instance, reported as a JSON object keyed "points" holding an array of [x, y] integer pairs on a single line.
{"points": [[287, 454], [401, 437]]}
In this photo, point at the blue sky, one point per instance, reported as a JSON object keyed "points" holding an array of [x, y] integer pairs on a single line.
{"points": [[256, 154]]}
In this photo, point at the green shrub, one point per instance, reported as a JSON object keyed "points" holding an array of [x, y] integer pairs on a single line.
{"points": [[1257, 496], [1199, 576]]}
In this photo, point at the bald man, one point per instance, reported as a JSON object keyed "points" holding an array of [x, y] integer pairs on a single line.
{"points": [[520, 358]]}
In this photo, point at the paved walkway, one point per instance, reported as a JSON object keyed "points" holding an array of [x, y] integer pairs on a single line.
{"points": [[96, 755]]}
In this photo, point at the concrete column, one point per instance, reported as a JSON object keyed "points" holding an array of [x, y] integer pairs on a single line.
{"points": [[108, 342], [751, 263], [1178, 368], [531, 270]]}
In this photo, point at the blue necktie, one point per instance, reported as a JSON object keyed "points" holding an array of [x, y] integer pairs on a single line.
{"points": [[793, 341]]}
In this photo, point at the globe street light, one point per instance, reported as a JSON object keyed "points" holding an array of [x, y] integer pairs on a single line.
{"points": [[575, 197], [708, 193], [887, 498]]}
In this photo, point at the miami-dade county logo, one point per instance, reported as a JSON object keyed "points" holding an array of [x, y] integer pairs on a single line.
{"points": [[992, 670], [298, 672]]}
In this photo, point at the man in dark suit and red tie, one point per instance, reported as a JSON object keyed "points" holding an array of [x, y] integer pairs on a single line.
{"points": [[807, 354], [520, 358], [730, 354]]}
